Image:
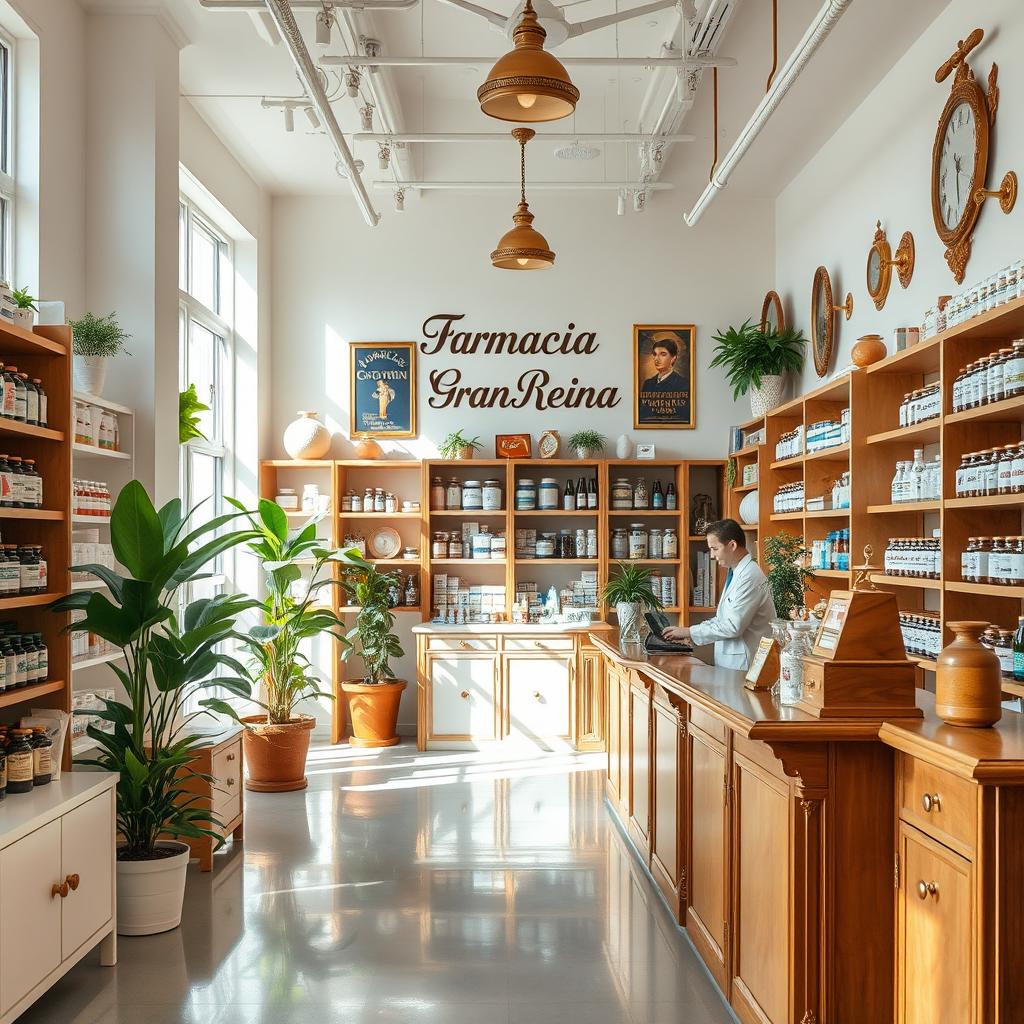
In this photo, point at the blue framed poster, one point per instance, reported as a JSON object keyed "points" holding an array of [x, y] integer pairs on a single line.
{"points": [[382, 388]]}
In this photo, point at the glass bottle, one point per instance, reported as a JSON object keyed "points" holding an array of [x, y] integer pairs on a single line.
{"points": [[20, 396], [43, 411], [31, 401], [437, 494], [916, 488], [569, 496], [592, 493], [657, 496], [42, 756], [640, 499], [412, 591], [20, 762], [581, 494]]}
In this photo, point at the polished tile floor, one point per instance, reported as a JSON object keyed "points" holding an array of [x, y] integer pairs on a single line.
{"points": [[405, 887]]}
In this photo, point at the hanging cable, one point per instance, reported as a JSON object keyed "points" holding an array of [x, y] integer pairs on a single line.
{"points": [[714, 162], [775, 44]]}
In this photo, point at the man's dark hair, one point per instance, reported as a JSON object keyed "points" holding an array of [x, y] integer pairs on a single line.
{"points": [[728, 529], [668, 345]]}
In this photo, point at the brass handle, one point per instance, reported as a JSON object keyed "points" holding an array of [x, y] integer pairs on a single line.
{"points": [[60, 890], [230, 757], [930, 803], [464, 645], [73, 881], [926, 889], [231, 782], [536, 694], [464, 695]]}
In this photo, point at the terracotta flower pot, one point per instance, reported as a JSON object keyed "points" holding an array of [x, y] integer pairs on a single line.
{"points": [[466, 453], [968, 685], [373, 712], [275, 755], [869, 349]]}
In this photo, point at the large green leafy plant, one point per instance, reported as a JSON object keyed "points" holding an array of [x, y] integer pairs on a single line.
{"points": [[748, 354], [169, 660], [631, 585], [784, 555], [374, 640], [289, 619]]}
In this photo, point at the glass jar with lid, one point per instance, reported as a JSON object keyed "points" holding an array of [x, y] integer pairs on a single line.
{"points": [[439, 545], [546, 545], [620, 543], [20, 762], [472, 496], [437, 494], [526, 495], [287, 498], [491, 496], [453, 496], [669, 544], [637, 541], [548, 494], [456, 549], [641, 496], [622, 494], [654, 543]]}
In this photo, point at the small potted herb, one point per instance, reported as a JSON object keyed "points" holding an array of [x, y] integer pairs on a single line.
{"points": [[457, 446], [96, 339], [630, 591], [756, 361], [588, 443], [24, 315]]}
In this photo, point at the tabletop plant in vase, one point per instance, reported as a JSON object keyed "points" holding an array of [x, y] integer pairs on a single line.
{"points": [[630, 591], [293, 613], [788, 577], [756, 362], [95, 340], [588, 443], [457, 446], [373, 702], [171, 655], [25, 308]]}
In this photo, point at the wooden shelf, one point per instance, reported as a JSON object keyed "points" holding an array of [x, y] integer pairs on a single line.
{"points": [[351, 609], [556, 561], [832, 574], [12, 428], [27, 693], [750, 449], [395, 561], [375, 515], [986, 590], [298, 463], [992, 501], [828, 513], [49, 515], [905, 506], [92, 450], [697, 537], [16, 340], [467, 561], [926, 663], [701, 609], [1006, 321], [906, 581], [527, 513], [78, 520], [744, 488], [835, 390], [1010, 410], [838, 452], [786, 517], [371, 463], [452, 512], [633, 513], [649, 561], [924, 433], [920, 358], [793, 460], [27, 601]]}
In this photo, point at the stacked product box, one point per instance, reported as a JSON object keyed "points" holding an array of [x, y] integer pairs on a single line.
{"points": [[457, 602], [526, 543]]}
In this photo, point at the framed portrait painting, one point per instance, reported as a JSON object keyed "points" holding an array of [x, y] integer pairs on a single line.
{"points": [[664, 379], [382, 388]]}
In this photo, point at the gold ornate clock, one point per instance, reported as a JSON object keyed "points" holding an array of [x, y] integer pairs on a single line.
{"points": [[881, 262], [960, 156]]}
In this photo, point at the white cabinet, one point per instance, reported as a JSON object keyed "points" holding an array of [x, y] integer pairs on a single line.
{"points": [[462, 697], [538, 688], [56, 884]]}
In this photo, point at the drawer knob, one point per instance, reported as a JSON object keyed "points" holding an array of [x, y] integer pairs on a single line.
{"points": [[930, 802], [464, 695], [58, 889], [464, 645], [73, 882], [230, 757], [926, 889], [536, 694], [231, 782]]}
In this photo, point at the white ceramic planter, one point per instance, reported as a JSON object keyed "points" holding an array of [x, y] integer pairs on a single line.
{"points": [[25, 318], [768, 395], [90, 374], [307, 437], [150, 892], [629, 617]]}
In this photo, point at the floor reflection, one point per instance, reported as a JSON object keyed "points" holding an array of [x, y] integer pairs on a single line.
{"points": [[405, 887]]}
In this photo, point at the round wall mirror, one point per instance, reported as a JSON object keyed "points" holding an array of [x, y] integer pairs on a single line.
{"points": [[823, 311], [773, 320]]}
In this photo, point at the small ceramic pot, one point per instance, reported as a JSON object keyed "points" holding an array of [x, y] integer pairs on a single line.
{"points": [[367, 448], [968, 683], [869, 349]]}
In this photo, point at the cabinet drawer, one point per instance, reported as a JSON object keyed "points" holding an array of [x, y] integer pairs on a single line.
{"points": [[545, 643], [228, 806], [227, 764], [938, 803], [713, 727], [462, 643]]}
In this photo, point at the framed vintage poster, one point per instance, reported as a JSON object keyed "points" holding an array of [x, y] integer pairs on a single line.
{"points": [[664, 376], [382, 388]]}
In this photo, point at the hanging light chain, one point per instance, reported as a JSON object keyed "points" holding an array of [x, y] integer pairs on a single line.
{"points": [[522, 170]]}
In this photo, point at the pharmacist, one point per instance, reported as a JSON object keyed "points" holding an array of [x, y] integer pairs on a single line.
{"points": [[745, 609]]}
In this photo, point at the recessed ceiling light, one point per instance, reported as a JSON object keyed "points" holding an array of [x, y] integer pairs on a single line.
{"points": [[653, 23]]}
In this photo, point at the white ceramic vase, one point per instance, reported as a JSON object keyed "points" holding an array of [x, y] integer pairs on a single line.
{"points": [[150, 892], [25, 318], [90, 373], [748, 508], [623, 447], [768, 395], [307, 437]]}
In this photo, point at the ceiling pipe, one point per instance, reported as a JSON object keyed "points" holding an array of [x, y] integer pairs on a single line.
{"points": [[503, 137], [683, 63], [818, 30], [550, 186], [284, 20], [312, 5]]}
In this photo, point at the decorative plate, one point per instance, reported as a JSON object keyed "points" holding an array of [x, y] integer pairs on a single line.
{"points": [[549, 444], [384, 542]]}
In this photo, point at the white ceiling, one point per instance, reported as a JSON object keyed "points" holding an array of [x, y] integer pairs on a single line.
{"points": [[227, 67]]}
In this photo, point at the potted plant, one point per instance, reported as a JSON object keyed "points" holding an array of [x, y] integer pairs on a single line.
{"points": [[24, 314], [755, 362], [276, 741], [372, 703], [588, 443], [784, 555], [95, 340], [171, 654], [457, 446], [630, 591]]}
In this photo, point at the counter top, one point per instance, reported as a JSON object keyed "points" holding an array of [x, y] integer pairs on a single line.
{"points": [[530, 628], [21, 813]]}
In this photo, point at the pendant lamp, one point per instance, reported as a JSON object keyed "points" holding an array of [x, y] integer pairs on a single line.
{"points": [[528, 84], [522, 248]]}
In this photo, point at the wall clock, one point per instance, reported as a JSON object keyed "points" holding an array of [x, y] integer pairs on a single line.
{"points": [[772, 317], [960, 156], [823, 322], [881, 262]]}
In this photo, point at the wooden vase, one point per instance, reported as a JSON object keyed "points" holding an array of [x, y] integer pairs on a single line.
{"points": [[968, 682]]}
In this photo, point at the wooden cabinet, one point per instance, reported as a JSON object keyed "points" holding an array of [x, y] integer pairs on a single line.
{"points": [[614, 682], [463, 692], [640, 762], [588, 706], [935, 974], [85, 835], [537, 688], [668, 774]]}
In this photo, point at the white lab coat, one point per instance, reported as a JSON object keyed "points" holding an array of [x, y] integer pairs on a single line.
{"points": [[743, 617]]}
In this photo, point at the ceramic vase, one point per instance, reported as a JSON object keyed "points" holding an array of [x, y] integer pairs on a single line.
{"points": [[749, 508], [90, 373], [968, 682], [25, 318], [768, 395], [628, 613], [307, 437], [623, 447], [791, 662], [869, 349], [367, 448]]}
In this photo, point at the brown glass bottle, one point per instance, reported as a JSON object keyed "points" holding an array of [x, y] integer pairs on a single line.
{"points": [[20, 762]]}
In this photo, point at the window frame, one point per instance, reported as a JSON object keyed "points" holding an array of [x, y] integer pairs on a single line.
{"points": [[8, 180]]}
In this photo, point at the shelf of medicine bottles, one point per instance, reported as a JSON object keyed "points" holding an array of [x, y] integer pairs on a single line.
{"points": [[633, 512], [103, 453], [992, 501], [1009, 410], [832, 574], [78, 519], [373, 515], [827, 513], [469, 561], [906, 581], [1006, 321], [785, 517], [793, 460], [986, 590], [33, 513], [745, 487], [920, 358], [905, 506], [498, 512], [839, 452], [27, 601], [100, 659], [921, 433], [563, 512], [13, 428], [27, 693], [556, 561]]}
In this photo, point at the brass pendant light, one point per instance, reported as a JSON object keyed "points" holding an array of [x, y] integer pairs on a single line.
{"points": [[528, 84], [522, 248]]}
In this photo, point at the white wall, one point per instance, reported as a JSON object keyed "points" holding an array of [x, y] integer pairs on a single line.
{"points": [[336, 280], [878, 166]]}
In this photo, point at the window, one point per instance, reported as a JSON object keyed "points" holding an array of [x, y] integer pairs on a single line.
{"points": [[7, 189]]}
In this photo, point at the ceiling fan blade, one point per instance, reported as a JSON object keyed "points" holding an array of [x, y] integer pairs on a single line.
{"points": [[582, 27], [498, 20]]}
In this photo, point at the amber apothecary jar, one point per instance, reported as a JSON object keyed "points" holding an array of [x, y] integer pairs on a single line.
{"points": [[968, 686]]}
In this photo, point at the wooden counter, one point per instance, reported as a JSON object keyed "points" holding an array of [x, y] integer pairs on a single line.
{"points": [[784, 844]]}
